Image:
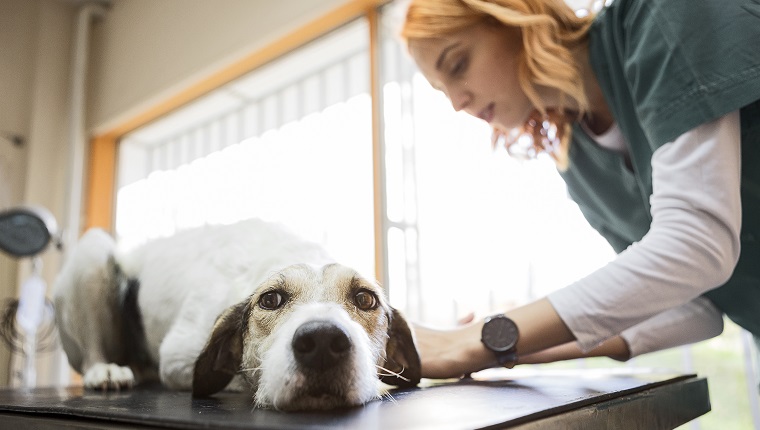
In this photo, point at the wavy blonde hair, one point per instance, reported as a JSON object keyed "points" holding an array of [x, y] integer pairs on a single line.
{"points": [[550, 32]]}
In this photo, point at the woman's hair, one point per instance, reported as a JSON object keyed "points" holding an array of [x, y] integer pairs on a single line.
{"points": [[550, 30]]}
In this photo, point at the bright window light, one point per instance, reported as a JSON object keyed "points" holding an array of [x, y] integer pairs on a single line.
{"points": [[289, 143]]}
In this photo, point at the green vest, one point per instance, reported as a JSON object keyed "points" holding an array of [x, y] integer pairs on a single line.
{"points": [[666, 67]]}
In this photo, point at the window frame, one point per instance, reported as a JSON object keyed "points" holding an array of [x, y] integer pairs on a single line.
{"points": [[100, 186]]}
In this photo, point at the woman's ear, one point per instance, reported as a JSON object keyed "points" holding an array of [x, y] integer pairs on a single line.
{"points": [[221, 357], [402, 362]]}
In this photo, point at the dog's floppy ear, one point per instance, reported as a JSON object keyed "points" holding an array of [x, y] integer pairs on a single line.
{"points": [[220, 359], [401, 355]]}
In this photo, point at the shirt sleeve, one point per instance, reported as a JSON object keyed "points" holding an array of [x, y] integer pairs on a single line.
{"points": [[692, 322], [692, 245]]}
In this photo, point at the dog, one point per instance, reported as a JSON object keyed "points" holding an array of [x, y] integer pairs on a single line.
{"points": [[231, 307]]}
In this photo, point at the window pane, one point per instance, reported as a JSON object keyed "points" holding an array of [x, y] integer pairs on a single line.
{"points": [[271, 145]]}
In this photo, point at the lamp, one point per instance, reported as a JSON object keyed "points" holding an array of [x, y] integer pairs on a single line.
{"points": [[25, 231]]}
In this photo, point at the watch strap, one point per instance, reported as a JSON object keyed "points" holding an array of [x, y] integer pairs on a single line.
{"points": [[507, 359]]}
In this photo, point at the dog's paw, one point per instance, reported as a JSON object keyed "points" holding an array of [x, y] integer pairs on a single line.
{"points": [[110, 376]]}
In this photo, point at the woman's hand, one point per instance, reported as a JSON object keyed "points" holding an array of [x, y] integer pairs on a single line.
{"points": [[452, 353]]}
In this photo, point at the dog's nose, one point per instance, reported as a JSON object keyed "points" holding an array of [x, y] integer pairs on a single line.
{"points": [[320, 344]]}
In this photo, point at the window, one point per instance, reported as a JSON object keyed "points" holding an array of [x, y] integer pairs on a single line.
{"points": [[291, 142]]}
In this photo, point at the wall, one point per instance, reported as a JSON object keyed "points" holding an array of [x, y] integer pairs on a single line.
{"points": [[147, 50], [34, 52], [16, 39]]}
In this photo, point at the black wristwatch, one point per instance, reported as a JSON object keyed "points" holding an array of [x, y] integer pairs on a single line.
{"points": [[500, 335]]}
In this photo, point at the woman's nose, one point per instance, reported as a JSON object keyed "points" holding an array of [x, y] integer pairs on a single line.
{"points": [[461, 102], [460, 99]]}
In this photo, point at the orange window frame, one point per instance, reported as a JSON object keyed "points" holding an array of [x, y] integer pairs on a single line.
{"points": [[101, 178]]}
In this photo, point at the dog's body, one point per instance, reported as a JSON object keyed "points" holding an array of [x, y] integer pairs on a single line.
{"points": [[228, 306]]}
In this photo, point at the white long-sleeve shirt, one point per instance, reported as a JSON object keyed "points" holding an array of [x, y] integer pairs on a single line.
{"points": [[650, 294]]}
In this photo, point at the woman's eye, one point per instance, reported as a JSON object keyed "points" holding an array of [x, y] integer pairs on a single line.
{"points": [[365, 300], [271, 300], [459, 66]]}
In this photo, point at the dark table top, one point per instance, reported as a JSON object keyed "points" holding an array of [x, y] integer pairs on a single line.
{"points": [[494, 399]]}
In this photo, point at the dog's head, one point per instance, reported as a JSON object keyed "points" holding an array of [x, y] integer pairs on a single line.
{"points": [[310, 339]]}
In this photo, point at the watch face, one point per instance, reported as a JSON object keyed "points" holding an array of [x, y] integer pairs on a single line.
{"points": [[499, 333]]}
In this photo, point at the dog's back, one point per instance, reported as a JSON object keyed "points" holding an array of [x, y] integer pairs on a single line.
{"points": [[231, 306], [209, 268], [179, 284]]}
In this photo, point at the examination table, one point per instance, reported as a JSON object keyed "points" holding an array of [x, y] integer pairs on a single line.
{"points": [[515, 399]]}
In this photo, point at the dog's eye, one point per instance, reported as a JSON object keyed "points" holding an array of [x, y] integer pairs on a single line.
{"points": [[365, 300], [271, 300]]}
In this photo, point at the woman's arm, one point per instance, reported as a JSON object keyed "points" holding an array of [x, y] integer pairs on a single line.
{"points": [[540, 325], [455, 352], [692, 245], [693, 322], [615, 348]]}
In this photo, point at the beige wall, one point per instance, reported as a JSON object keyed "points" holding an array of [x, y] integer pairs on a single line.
{"points": [[147, 50], [17, 38], [142, 52], [34, 59]]}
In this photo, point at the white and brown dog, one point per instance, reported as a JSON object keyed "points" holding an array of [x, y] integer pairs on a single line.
{"points": [[225, 307]]}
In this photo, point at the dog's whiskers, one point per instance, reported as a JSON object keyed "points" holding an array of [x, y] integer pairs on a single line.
{"points": [[391, 373], [250, 369], [389, 397]]}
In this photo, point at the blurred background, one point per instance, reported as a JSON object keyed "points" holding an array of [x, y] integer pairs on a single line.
{"points": [[144, 117]]}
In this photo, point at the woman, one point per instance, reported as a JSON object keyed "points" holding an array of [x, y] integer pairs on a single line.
{"points": [[651, 110]]}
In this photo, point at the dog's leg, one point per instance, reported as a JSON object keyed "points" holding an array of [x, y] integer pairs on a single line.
{"points": [[188, 335], [178, 352], [86, 303]]}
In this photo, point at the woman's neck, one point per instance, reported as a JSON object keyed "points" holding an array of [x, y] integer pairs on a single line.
{"points": [[598, 118]]}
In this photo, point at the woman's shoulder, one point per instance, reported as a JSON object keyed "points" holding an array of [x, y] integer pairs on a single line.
{"points": [[639, 29], [664, 57]]}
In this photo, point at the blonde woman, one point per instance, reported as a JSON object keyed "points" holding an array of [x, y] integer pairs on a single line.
{"points": [[651, 110]]}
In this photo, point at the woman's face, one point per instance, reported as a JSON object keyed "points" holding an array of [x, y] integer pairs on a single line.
{"points": [[477, 70]]}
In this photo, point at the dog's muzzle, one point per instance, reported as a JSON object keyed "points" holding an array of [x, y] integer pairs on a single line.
{"points": [[320, 345]]}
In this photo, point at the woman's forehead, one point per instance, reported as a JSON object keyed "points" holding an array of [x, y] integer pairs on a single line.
{"points": [[433, 46]]}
